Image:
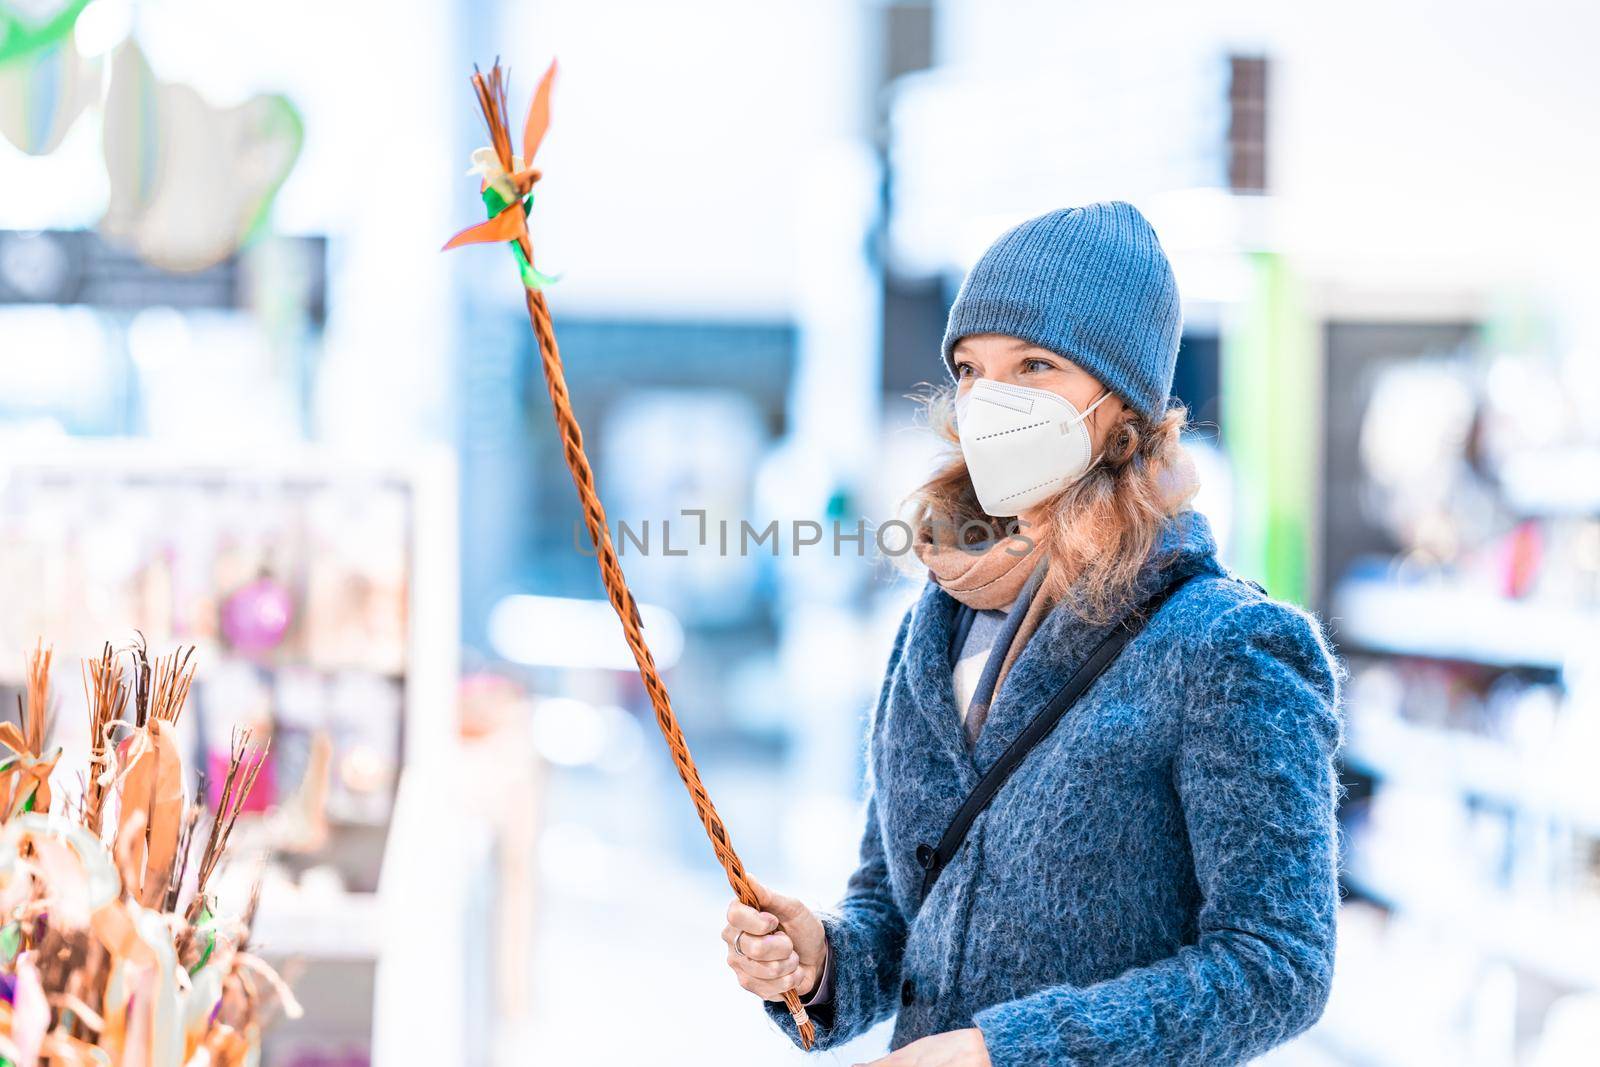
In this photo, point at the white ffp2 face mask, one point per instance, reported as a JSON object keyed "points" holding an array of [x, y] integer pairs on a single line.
{"points": [[1022, 445]]}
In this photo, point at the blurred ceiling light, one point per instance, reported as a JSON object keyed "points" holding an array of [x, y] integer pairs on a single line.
{"points": [[66, 351], [569, 732], [574, 733], [159, 337], [36, 265], [102, 25], [575, 858], [625, 741], [1204, 218], [549, 631]]}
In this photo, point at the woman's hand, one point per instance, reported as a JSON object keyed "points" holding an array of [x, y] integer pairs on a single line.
{"points": [[958, 1048], [783, 944]]}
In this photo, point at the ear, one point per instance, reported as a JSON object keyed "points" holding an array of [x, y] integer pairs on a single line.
{"points": [[1105, 419], [1107, 412]]}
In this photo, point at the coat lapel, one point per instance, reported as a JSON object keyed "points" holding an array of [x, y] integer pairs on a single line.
{"points": [[930, 682], [1063, 641], [1058, 648]]}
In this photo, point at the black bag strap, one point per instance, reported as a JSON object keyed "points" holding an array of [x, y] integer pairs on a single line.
{"points": [[934, 858]]}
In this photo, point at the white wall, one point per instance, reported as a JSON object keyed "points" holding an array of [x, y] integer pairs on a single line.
{"points": [[1412, 140], [678, 153]]}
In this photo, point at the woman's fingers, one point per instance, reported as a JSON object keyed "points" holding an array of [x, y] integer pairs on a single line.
{"points": [[769, 948], [762, 954], [785, 908], [893, 1059], [754, 942], [744, 917], [756, 965], [768, 970], [768, 988]]}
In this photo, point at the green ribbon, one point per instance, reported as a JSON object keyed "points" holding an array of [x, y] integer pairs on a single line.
{"points": [[205, 924], [21, 37], [531, 278], [205, 956], [279, 115]]}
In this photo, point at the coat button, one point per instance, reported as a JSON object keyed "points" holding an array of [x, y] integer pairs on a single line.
{"points": [[908, 992], [924, 855]]}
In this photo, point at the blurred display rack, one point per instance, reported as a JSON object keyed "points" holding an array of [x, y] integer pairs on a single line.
{"points": [[1393, 750], [1433, 620], [67, 267], [428, 875], [428, 479], [1506, 893], [1558, 941], [345, 927], [1438, 621], [1563, 482]]}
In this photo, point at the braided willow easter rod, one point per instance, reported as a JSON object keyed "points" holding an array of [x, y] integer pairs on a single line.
{"points": [[627, 609], [508, 193]]}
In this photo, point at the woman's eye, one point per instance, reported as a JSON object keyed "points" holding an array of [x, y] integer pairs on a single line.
{"points": [[964, 370], [1036, 365]]}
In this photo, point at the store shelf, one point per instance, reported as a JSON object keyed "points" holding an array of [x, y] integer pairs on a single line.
{"points": [[1443, 622], [1555, 941], [1462, 763], [346, 926], [1562, 481]]}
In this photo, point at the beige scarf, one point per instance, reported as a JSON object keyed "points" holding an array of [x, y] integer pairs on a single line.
{"points": [[988, 581], [991, 579]]}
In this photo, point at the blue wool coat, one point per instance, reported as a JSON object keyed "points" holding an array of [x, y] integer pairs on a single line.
{"points": [[1155, 884]]}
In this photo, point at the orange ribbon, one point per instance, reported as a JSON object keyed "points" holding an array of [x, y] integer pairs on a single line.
{"points": [[27, 777], [508, 180]]}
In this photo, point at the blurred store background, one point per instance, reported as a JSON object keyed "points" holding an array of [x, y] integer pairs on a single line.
{"points": [[245, 404]]}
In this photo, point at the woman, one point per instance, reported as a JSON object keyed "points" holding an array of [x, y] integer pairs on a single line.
{"points": [[1155, 883]]}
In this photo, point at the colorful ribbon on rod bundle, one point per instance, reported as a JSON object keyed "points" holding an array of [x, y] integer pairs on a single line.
{"points": [[25, 774], [507, 179]]}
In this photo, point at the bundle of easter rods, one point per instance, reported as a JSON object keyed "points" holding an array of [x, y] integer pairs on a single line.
{"points": [[112, 947]]}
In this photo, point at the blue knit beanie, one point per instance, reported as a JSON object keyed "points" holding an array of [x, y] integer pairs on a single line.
{"points": [[1088, 283]]}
